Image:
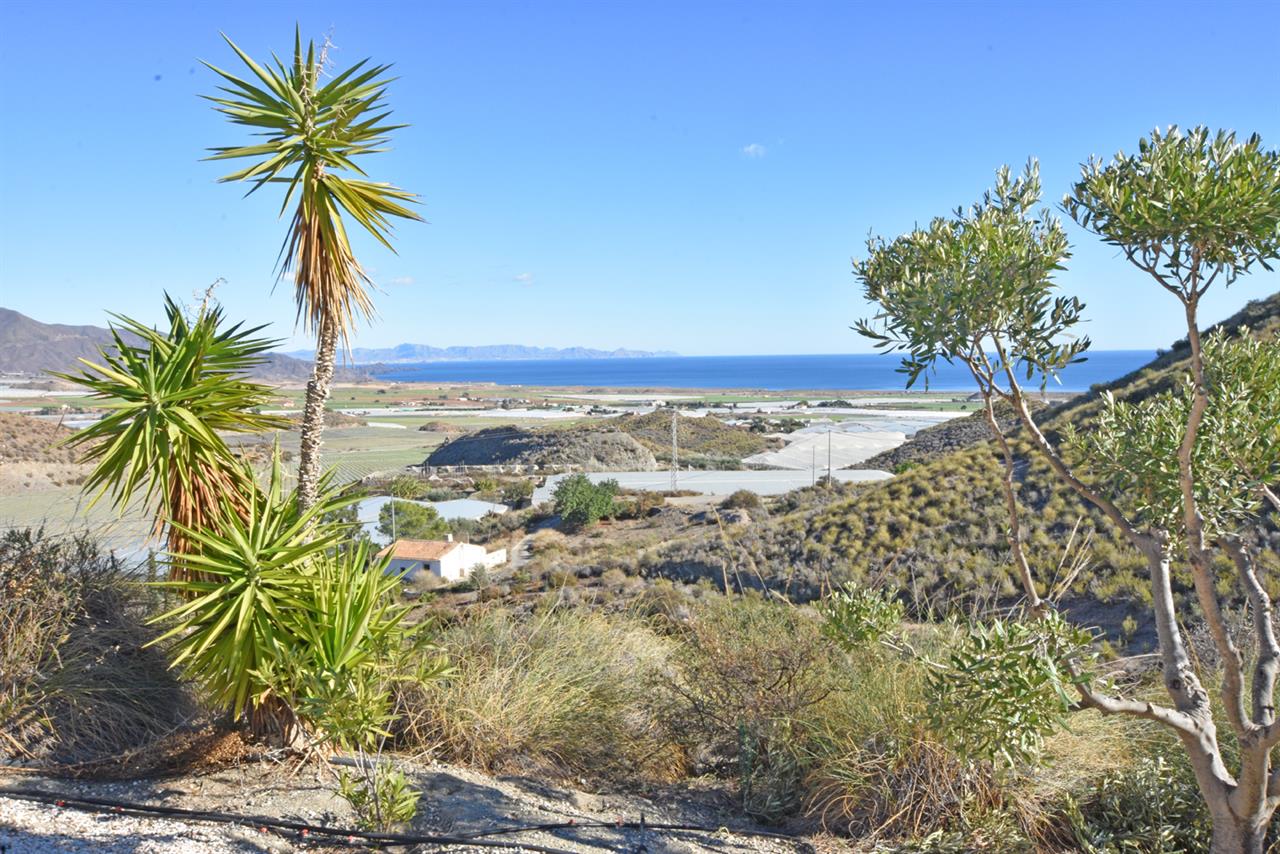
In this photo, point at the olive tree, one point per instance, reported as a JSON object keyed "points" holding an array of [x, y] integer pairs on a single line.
{"points": [[1185, 472], [976, 288], [1191, 210]]}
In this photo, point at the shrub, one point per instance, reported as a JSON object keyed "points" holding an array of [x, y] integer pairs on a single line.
{"points": [[408, 487], [638, 505], [854, 617], [568, 690], [548, 541], [277, 615], [582, 503], [742, 499], [1003, 690], [515, 493], [747, 670], [382, 800], [1153, 807], [76, 684]]}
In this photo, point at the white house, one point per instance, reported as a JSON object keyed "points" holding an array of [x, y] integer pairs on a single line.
{"points": [[444, 559]]}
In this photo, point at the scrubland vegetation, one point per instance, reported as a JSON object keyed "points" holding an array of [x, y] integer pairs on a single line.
{"points": [[705, 442], [897, 664], [739, 690]]}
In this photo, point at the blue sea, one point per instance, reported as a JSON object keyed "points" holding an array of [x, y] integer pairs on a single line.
{"points": [[861, 372]]}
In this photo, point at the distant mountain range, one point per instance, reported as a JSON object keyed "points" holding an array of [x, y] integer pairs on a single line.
{"points": [[28, 346], [412, 353]]}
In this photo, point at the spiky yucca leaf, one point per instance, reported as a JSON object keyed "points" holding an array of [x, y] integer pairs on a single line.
{"points": [[313, 132], [254, 584], [169, 395]]}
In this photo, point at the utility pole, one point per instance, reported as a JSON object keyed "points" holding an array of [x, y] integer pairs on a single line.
{"points": [[829, 480], [393, 520], [675, 453]]}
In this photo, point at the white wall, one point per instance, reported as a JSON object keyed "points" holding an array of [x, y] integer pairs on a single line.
{"points": [[454, 566], [406, 568]]}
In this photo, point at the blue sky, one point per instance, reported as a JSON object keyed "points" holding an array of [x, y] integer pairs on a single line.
{"points": [[691, 176]]}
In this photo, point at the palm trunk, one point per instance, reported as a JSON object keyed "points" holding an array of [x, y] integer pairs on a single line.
{"points": [[313, 414]]}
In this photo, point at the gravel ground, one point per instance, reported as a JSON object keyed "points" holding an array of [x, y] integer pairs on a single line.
{"points": [[32, 828], [455, 801]]}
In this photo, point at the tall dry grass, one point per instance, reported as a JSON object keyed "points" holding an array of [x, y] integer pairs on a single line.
{"points": [[76, 684], [564, 692]]}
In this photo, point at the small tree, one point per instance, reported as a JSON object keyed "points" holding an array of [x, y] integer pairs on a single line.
{"points": [[1191, 209], [581, 503], [1187, 468], [977, 288], [407, 519]]}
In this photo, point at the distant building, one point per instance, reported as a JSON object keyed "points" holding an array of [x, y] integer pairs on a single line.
{"points": [[444, 559]]}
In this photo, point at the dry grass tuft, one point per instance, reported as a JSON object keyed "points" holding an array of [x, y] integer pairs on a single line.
{"points": [[76, 686], [563, 691]]}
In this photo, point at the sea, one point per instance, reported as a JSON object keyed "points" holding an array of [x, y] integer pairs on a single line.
{"points": [[860, 372]]}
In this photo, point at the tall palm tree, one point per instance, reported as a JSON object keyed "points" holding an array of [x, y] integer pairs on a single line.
{"points": [[314, 130]]}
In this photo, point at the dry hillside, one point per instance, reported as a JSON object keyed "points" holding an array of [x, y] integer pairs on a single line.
{"points": [[937, 531], [591, 448], [703, 441]]}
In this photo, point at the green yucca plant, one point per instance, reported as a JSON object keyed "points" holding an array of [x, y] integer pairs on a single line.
{"points": [[279, 622], [170, 394], [313, 132], [253, 587]]}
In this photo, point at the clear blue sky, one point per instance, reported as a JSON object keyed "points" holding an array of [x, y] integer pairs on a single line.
{"points": [[692, 176]]}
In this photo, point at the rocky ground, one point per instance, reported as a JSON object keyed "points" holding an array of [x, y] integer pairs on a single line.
{"points": [[456, 802], [588, 448]]}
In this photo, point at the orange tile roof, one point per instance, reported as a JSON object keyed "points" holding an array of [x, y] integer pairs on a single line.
{"points": [[418, 549]]}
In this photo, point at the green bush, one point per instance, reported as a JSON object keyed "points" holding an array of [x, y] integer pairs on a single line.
{"points": [[1002, 689], [853, 617], [411, 521], [742, 499], [1153, 807], [581, 503]]}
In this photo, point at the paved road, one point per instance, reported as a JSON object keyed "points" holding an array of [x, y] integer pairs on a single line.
{"points": [[714, 482]]}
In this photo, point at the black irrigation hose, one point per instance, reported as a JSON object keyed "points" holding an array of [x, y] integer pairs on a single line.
{"points": [[301, 829], [304, 830]]}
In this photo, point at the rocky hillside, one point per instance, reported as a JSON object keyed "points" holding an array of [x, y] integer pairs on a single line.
{"points": [[28, 346], [24, 439], [936, 531], [590, 448], [705, 439], [942, 439]]}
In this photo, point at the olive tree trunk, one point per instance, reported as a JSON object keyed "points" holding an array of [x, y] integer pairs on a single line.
{"points": [[1234, 835], [313, 414]]}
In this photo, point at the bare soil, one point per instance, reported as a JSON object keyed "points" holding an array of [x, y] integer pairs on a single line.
{"points": [[455, 801]]}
